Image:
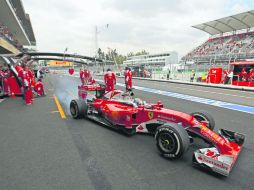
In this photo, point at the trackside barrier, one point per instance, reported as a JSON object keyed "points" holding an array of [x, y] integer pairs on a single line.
{"points": [[238, 82]]}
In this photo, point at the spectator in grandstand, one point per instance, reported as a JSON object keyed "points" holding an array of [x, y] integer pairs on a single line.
{"points": [[233, 44]]}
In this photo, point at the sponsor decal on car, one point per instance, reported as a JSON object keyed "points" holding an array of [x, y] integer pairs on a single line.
{"points": [[150, 115], [167, 118], [212, 162], [169, 155], [211, 135]]}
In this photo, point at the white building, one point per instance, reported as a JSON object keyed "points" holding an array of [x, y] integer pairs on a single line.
{"points": [[161, 59]]}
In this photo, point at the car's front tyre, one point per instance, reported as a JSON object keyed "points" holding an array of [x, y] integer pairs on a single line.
{"points": [[172, 140]]}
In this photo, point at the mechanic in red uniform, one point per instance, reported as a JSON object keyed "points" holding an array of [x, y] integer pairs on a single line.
{"points": [[128, 79], [110, 80], [243, 75], [228, 74], [1, 80], [87, 75], [225, 76], [27, 86], [31, 76], [91, 81], [82, 76], [251, 75], [39, 88]]}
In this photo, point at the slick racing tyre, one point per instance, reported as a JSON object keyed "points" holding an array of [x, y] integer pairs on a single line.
{"points": [[172, 140], [204, 116], [78, 109]]}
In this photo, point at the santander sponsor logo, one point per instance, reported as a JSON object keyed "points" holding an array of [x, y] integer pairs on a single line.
{"points": [[213, 162]]}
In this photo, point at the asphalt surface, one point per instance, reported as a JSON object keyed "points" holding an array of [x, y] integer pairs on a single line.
{"points": [[46, 152]]}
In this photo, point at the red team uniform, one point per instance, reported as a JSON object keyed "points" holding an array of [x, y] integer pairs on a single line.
{"points": [[82, 76], [87, 76], [128, 79], [251, 75], [27, 85], [110, 80], [39, 88]]}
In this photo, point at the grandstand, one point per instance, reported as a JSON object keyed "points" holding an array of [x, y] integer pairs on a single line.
{"points": [[15, 27], [231, 39]]}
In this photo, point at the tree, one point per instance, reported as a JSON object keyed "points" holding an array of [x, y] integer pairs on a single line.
{"points": [[114, 56], [143, 52], [130, 54], [99, 52]]}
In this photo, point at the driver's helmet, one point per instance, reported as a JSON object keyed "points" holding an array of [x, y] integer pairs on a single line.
{"points": [[138, 101]]}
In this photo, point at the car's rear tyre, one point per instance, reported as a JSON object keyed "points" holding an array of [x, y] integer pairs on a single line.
{"points": [[204, 116], [78, 108], [172, 140]]}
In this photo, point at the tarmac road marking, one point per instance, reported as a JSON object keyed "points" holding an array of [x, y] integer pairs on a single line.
{"points": [[213, 92], [217, 103], [54, 111], [1, 100], [62, 114]]}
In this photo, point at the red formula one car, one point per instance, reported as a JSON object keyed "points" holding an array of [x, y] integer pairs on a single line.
{"points": [[173, 130]]}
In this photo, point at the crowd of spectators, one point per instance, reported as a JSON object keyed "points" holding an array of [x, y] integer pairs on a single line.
{"points": [[6, 34], [225, 45]]}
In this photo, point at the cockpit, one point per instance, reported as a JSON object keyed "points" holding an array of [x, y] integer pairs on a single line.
{"points": [[118, 95], [127, 98]]}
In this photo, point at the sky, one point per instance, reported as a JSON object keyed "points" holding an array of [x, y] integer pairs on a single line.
{"points": [[133, 25]]}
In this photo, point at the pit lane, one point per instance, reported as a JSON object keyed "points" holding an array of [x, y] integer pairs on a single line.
{"points": [[114, 161]]}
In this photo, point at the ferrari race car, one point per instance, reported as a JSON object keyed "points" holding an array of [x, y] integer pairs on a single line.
{"points": [[173, 130]]}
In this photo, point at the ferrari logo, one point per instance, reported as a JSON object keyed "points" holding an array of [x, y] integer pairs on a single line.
{"points": [[150, 115]]}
